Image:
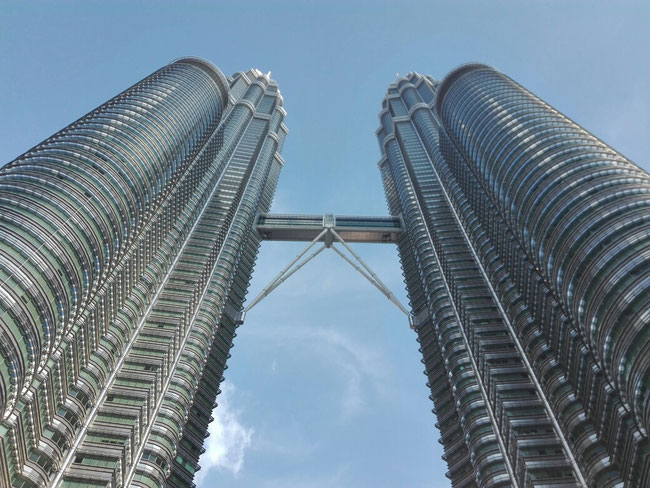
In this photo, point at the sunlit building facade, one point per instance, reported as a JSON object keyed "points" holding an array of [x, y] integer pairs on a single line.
{"points": [[526, 256], [127, 241], [126, 247]]}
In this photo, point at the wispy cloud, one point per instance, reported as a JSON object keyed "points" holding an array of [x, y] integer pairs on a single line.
{"points": [[360, 369], [229, 438], [290, 443], [340, 478]]}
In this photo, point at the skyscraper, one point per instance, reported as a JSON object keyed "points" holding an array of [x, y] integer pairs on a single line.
{"points": [[526, 258], [127, 241], [127, 245]]}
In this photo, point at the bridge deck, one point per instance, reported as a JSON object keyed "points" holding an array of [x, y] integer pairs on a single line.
{"points": [[351, 228]]}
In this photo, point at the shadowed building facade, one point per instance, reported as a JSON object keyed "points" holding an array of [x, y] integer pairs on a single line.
{"points": [[127, 244], [526, 253]]}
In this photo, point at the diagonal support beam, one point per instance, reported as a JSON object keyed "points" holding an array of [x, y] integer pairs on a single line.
{"points": [[327, 236], [390, 295], [377, 285], [277, 277], [282, 277], [300, 254]]}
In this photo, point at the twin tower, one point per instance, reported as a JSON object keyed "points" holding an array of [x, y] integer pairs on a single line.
{"points": [[127, 242]]}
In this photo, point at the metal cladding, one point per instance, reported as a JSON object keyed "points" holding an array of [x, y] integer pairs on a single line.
{"points": [[71, 206], [127, 241], [526, 253], [127, 247]]}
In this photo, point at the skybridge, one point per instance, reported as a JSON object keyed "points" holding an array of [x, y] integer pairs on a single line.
{"points": [[333, 232], [351, 228]]}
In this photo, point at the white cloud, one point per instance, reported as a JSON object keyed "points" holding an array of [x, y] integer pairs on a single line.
{"points": [[291, 443], [338, 478], [360, 368], [357, 365], [229, 438]]}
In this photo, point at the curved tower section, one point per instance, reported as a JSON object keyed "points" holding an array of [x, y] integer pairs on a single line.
{"points": [[128, 243], [579, 210], [72, 206], [526, 265]]}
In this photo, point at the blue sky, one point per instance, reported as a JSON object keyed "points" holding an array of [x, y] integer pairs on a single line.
{"points": [[325, 386]]}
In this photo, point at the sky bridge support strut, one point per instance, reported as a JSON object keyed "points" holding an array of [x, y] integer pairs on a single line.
{"points": [[329, 230]]}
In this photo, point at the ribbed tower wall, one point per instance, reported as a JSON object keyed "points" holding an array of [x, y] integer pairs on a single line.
{"points": [[160, 192], [73, 205], [549, 230]]}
